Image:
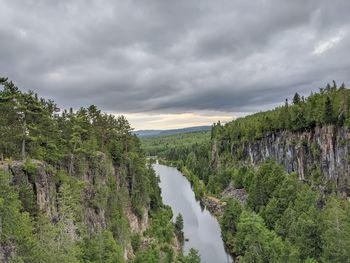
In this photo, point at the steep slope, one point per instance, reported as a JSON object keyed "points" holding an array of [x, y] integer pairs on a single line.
{"points": [[75, 186], [324, 150]]}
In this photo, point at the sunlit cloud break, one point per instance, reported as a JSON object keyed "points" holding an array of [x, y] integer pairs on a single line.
{"points": [[142, 121], [328, 44]]}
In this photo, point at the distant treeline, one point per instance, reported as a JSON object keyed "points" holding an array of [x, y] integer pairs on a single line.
{"points": [[330, 106]]}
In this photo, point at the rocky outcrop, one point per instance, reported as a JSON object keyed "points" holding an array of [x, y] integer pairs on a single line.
{"points": [[325, 148], [37, 176], [92, 174], [217, 206], [231, 192], [7, 252], [214, 205], [137, 225], [45, 184]]}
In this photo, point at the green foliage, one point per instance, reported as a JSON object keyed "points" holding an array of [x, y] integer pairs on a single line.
{"points": [[257, 244], [161, 226], [16, 226], [135, 242], [328, 111], [95, 165], [66, 250], [162, 146], [102, 248], [231, 215], [118, 223], [149, 255], [266, 180], [336, 231], [154, 194], [179, 223], [296, 98], [30, 168], [193, 256], [229, 222], [221, 179], [197, 184], [328, 107]]}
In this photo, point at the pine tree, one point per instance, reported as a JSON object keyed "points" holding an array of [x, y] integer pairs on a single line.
{"points": [[179, 222], [336, 231], [296, 99], [328, 111]]}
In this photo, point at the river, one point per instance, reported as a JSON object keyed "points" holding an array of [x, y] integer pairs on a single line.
{"points": [[200, 227]]}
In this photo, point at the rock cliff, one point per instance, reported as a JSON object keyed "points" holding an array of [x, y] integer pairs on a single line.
{"points": [[324, 149], [46, 187]]}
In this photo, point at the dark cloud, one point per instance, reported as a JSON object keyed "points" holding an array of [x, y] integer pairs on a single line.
{"points": [[174, 56]]}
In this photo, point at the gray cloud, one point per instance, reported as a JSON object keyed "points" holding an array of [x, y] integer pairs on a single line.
{"points": [[174, 56]]}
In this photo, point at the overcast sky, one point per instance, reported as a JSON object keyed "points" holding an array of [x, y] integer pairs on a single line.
{"points": [[168, 64]]}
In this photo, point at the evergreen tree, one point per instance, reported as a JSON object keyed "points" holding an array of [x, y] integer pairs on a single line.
{"points": [[179, 223], [296, 99], [328, 111], [336, 231], [193, 256]]}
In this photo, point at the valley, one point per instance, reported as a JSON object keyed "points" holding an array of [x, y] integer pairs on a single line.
{"points": [[276, 180]]}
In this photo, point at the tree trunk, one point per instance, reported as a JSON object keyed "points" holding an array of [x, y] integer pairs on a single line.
{"points": [[23, 148], [24, 139], [70, 169]]}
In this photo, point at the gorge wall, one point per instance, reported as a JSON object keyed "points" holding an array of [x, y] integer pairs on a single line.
{"points": [[87, 206], [324, 149]]}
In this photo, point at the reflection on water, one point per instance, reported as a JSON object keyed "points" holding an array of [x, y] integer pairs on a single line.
{"points": [[200, 227]]}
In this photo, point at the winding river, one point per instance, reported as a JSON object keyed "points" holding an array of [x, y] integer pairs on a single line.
{"points": [[200, 227]]}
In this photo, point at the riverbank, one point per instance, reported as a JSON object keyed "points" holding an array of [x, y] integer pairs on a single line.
{"points": [[216, 205], [200, 225]]}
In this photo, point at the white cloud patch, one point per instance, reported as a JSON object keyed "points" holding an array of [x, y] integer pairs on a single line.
{"points": [[330, 43]]}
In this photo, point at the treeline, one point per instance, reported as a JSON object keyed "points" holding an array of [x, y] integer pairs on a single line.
{"points": [[76, 149], [173, 145], [331, 105], [32, 127]]}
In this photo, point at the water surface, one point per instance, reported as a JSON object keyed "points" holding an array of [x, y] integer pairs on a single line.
{"points": [[200, 227]]}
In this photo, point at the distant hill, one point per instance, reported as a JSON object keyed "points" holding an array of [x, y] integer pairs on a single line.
{"points": [[152, 133], [147, 133]]}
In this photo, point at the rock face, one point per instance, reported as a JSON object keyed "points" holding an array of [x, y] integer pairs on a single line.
{"points": [[45, 184], [40, 180], [214, 205], [325, 148], [46, 187], [137, 225], [7, 252], [232, 192]]}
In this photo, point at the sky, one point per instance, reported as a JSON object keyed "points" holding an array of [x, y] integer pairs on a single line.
{"points": [[170, 64]]}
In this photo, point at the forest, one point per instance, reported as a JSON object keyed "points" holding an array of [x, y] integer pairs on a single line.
{"points": [[284, 219], [329, 106], [71, 182]]}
